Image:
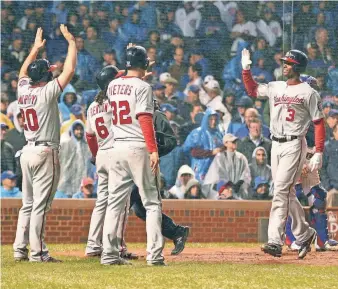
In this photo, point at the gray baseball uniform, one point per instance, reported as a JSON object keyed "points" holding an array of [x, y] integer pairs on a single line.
{"points": [[292, 108], [99, 119], [39, 163], [129, 97]]}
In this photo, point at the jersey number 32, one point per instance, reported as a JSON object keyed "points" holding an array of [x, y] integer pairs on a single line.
{"points": [[121, 111]]}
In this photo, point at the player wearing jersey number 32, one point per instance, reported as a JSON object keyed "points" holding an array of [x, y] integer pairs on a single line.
{"points": [[135, 158], [38, 102], [293, 105]]}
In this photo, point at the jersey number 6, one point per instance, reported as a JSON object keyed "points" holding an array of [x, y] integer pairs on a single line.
{"points": [[122, 115], [101, 129], [291, 116], [30, 119]]}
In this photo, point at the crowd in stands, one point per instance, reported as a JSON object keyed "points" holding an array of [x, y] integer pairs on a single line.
{"points": [[223, 135]]}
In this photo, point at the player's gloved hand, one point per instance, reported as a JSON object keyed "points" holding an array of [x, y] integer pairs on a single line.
{"points": [[316, 161], [246, 59]]}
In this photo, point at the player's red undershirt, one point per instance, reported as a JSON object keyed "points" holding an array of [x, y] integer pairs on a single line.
{"points": [[147, 127], [92, 143], [251, 88]]}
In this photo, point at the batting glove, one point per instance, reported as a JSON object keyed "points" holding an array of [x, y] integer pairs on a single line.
{"points": [[316, 161], [246, 59]]}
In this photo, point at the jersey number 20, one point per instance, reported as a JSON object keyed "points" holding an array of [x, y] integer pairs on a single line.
{"points": [[121, 111], [30, 119]]}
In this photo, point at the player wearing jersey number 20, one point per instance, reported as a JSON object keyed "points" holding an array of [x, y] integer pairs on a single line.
{"points": [[37, 100], [293, 105]]}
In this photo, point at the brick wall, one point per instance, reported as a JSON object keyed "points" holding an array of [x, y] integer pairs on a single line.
{"points": [[210, 221]]}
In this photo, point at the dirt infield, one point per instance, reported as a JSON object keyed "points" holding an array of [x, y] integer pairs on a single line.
{"points": [[235, 255]]}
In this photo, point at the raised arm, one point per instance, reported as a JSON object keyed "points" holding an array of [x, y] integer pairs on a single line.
{"points": [[38, 44], [252, 88], [70, 62]]}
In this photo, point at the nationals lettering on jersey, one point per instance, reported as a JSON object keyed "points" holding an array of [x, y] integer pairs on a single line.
{"points": [[40, 111], [129, 97], [292, 107], [99, 123]]}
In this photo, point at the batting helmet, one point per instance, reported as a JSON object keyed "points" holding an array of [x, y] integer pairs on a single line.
{"points": [[106, 75], [297, 58], [136, 57], [40, 70]]}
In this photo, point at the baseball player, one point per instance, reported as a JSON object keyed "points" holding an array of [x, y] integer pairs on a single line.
{"points": [[309, 185], [134, 158], [293, 105], [37, 100]]}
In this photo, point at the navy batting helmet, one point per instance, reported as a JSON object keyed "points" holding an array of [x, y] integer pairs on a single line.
{"points": [[297, 58], [136, 57], [40, 70], [106, 75]]}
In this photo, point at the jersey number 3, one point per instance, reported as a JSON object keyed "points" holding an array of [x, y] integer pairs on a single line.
{"points": [[121, 111], [291, 116], [30, 119]]}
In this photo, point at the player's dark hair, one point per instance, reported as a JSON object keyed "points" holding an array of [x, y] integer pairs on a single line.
{"points": [[101, 96]]}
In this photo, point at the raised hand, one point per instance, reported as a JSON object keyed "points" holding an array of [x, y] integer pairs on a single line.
{"points": [[66, 34], [246, 59], [39, 42]]}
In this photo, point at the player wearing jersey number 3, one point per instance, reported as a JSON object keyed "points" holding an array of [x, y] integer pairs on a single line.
{"points": [[38, 102], [293, 105], [135, 158]]}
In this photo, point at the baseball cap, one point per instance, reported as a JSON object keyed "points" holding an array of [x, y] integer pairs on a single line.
{"points": [[208, 78], [194, 88], [110, 51], [212, 84], [86, 182], [164, 76], [76, 109], [168, 107], [3, 125], [333, 113], [8, 175], [327, 104], [158, 86], [171, 80], [223, 185], [244, 101], [260, 181], [229, 138]]}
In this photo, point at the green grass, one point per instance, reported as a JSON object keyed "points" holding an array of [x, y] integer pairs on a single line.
{"points": [[88, 273]]}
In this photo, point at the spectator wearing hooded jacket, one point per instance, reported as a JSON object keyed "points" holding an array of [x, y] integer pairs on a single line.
{"points": [[133, 30], [8, 186], [193, 190], [67, 100], [184, 175], [74, 159], [261, 189], [204, 143], [188, 19], [259, 165], [230, 166]]}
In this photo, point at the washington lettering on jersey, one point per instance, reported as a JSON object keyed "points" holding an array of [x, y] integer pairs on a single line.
{"points": [[284, 99]]}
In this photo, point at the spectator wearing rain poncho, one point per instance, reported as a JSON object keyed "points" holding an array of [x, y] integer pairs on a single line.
{"points": [[74, 159], [259, 166], [203, 143], [184, 175], [230, 166]]}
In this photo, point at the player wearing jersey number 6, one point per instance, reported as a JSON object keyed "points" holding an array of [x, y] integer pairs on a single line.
{"points": [[135, 158], [37, 99], [293, 105]]}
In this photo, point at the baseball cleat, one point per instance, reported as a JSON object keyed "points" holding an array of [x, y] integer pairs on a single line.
{"points": [[21, 259], [119, 262], [306, 246], [129, 256], [180, 242], [51, 260], [327, 247], [293, 247], [272, 249], [157, 264], [94, 254]]}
